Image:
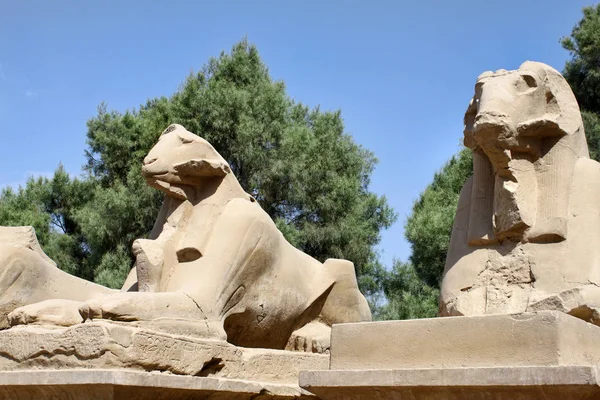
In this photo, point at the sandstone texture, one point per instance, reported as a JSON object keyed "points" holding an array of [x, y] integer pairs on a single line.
{"points": [[545, 355], [110, 345], [548, 338], [83, 384], [502, 383], [528, 219]]}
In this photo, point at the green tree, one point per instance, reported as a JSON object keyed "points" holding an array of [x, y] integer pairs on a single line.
{"points": [[408, 297], [591, 124], [583, 70], [429, 226], [412, 289], [300, 164]]}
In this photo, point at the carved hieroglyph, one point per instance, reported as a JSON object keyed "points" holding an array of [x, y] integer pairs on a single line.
{"points": [[528, 220], [215, 266]]}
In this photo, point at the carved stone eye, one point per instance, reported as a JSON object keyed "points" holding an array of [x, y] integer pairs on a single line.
{"points": [[188, 254], [525, 83], [530, 80], [185, 140], [170, 129]]}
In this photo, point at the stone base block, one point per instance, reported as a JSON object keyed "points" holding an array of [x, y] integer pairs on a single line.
{"points": [[105, 360], [106, 345], [545, 355], [102, 384], [546, 338], [501, 383]]}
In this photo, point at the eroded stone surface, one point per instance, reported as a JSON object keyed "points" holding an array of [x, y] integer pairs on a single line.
{"points": [[28, 276], [101, 345], [527, 221]]}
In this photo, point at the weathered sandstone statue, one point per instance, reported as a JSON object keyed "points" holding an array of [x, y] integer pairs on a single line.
{"points": [[527, 227], [214, 266], [28, 276]]}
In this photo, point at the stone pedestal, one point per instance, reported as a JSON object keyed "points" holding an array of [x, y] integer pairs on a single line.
{"points": [[546, 355], [100, 384], [111, 361]]}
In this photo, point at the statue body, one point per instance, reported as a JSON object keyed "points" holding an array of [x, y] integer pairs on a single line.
{"points": [[527, 220], [214, 265]]}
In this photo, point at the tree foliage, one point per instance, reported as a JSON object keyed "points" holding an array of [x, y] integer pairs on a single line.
{"points": [[591, 124], [583, 70], [429, 226], [412, 288], [299, 163], [50, 205], [408, 297]]}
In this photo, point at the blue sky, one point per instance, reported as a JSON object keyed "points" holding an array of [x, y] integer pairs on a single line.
{"points": [[402, 72]]}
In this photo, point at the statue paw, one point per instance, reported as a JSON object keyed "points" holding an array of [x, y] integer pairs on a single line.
{"points": [[126, 306], [49, 312], [141, 306], [170, 312], [311, 338]]}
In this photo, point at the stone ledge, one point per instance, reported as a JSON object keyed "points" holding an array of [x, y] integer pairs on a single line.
{"points": [[103, 345], [555, 382], [106, 384], [547, 338], [494, 376]]}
